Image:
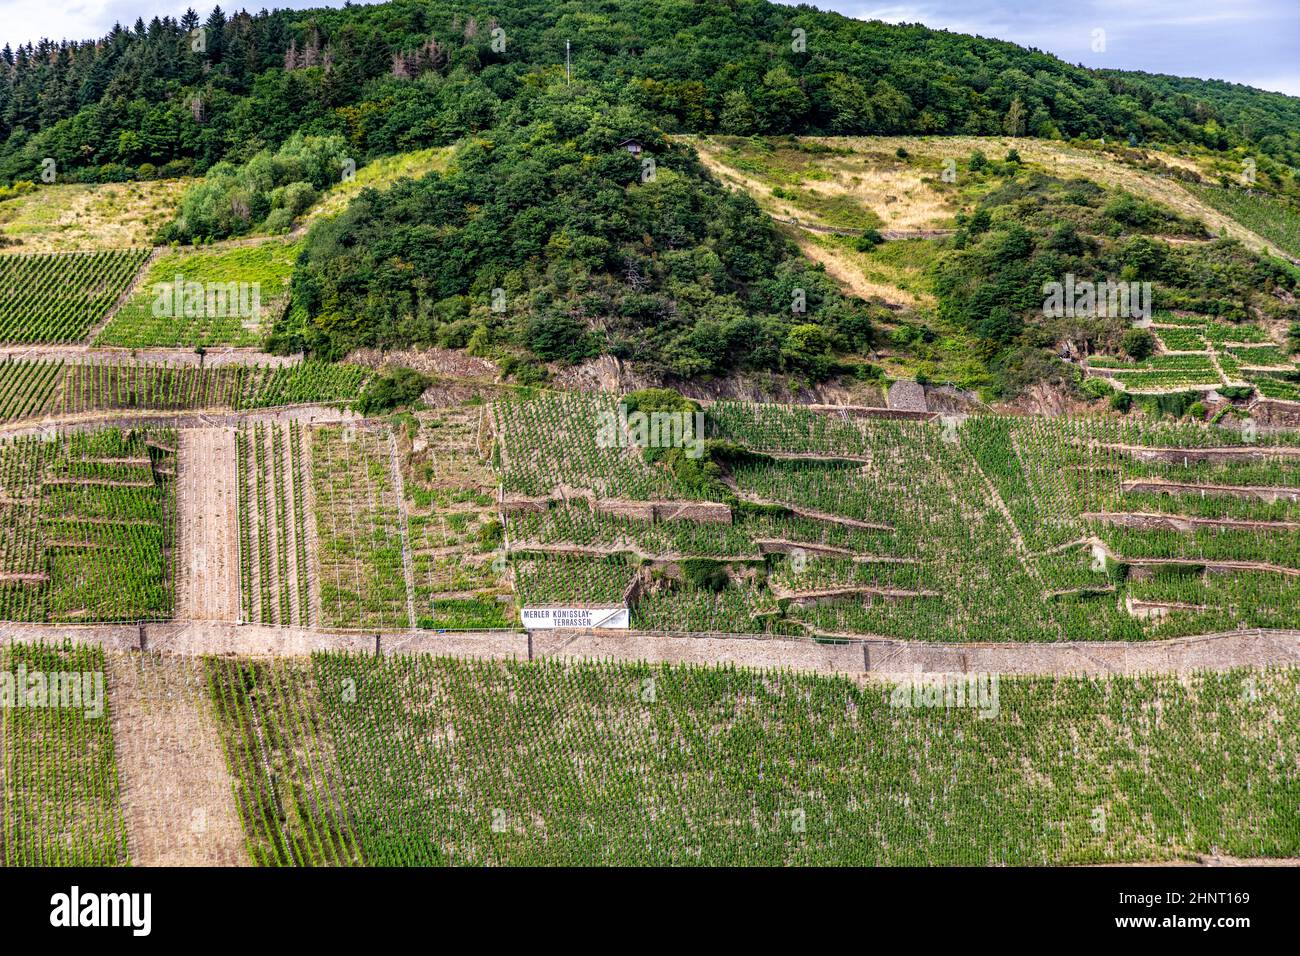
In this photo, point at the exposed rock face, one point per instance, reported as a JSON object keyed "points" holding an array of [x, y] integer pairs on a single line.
{"points": [[907, 396], [945, 398], [454, 363], [608, 374], [708, 512], [602, 374], [1275, 414]]}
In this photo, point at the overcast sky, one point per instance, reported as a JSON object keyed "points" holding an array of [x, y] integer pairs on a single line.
{"points": [[1246, 41]]}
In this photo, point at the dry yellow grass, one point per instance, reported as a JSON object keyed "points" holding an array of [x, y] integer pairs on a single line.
{"points": [[858, 273], [72, 216], [907, 194], [380, 174], [897, 193], [1062, 159], [841, 267]]}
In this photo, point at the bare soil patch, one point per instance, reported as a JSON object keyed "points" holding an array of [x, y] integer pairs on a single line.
{"points": [[209, 525], [177, 795]]}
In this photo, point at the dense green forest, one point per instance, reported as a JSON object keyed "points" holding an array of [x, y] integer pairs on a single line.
{"points": [[546, 235], [545, 240], [162, 98]]}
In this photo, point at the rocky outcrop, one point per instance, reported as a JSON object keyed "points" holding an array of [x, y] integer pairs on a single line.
{"points": [[1265, 493]]}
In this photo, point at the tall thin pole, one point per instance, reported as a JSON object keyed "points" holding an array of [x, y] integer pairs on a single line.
{"points": [[568, 76]]}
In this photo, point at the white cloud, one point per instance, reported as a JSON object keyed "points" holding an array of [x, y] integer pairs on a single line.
{"points": [[1288, 83], [1244, 41]]}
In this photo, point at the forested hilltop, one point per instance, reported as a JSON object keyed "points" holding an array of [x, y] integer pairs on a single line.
{"points": [[160, 98], [711, 190]]}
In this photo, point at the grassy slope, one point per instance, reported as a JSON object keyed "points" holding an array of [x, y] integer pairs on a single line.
{"points": [[269, 264], [380, 174], [64, 218], [1270, 217]]}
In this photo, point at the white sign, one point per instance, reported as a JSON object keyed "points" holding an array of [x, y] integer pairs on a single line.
{"points": [[539, 618]]}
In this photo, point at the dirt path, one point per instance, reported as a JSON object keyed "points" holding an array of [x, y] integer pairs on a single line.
{"points": [[314, 605], [177, 796], [824, 517], [841, 268], [889, 235], [209, 525], [408, 565], [856, 590], [92, 421], [215, 357], [1198, 455], [1264, 493], [1218, 652], [848, 654]]}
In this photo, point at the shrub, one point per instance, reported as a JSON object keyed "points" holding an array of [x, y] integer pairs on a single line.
{"points": [[490, 535], [280, 220], [17, 189], [1236, 393], [869, 239], [521, 370], [1097, 387], [1138, 344], [296, 198], [231, 200], [705, 574], [456, 335], [387, 391], [559, 337]]}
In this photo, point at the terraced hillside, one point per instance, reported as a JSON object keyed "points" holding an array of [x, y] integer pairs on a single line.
{"points": [[458, 565], [59, 297], [987, 528], [298, 455], [89, 527], [1203, 353], [61, 792], [74, 385], [792, 522], [347, 759], [681, 765]]}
